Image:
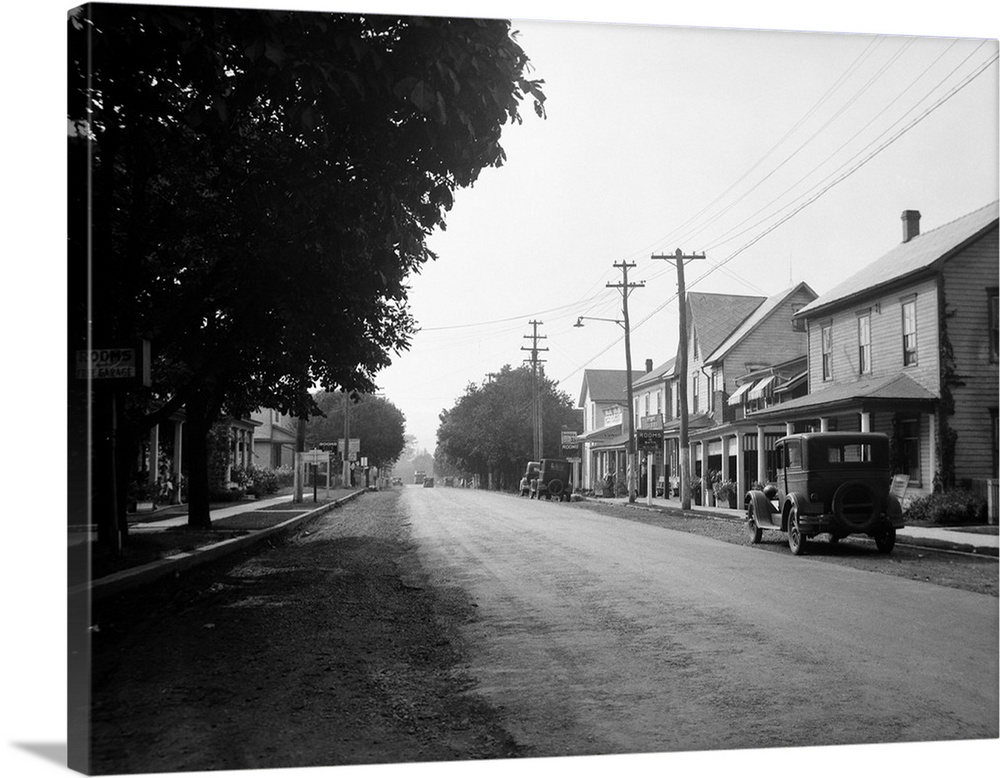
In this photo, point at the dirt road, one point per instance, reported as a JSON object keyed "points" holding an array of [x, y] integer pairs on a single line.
{"points": [[430, 625], [609, 636]]}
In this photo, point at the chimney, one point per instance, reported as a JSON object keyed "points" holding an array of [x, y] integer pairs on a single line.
{"points": [[911, 225], [649, 365]]}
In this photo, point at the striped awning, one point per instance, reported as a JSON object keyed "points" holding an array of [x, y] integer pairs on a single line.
{"points": [[760, 387], [736, 398]]}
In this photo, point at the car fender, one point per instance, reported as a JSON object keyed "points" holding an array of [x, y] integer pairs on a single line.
{"points": [[761, 505], [793, 500]]}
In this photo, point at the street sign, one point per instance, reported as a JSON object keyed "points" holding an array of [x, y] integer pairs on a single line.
{"points": [[570, 439], [314, 456]]}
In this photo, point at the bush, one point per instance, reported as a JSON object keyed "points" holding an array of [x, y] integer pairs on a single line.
{"points": [[262, 481], [225, 495], [954, 507]]}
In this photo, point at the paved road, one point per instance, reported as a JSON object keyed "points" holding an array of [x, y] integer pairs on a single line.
{"points": [[598, 636]]}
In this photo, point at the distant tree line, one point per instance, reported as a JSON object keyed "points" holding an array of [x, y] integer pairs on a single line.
{"points": [[489, 432]]}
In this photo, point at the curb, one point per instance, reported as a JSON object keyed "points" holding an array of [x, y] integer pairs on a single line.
{"points": [[175, 564]]}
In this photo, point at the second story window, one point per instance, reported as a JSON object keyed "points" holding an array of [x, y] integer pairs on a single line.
{"points": [[909, 331], [695, 393], [826, 335], [865, 343]]}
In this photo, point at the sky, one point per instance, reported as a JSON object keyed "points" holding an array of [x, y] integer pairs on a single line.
{"points": [[666, 129], [782, 156]]}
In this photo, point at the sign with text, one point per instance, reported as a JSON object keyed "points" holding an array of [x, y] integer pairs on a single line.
{"points": [[649, 440], [130, 365], [570, 439]]}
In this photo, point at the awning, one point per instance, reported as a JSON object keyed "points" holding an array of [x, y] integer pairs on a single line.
{"points": [[736, 398], [759, 388]]}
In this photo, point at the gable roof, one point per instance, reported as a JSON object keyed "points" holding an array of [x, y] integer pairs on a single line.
{"points": [[715, 316], [658, 373], [765, 309], [604, 386], [914, 256]]}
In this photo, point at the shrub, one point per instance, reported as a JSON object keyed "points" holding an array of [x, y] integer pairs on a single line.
{"points": [[955, 506], [259, 481]]}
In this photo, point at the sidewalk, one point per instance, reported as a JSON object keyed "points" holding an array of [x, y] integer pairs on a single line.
{"points": [[948, 539], [259, 520]]}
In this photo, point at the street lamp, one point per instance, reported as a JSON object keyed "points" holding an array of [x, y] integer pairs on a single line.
{"points": [[579, 321], [630, 448]]}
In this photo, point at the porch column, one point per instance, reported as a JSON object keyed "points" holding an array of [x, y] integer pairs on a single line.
{"points": [[789, 428], [761, 457], [741, 486], [824, 424], [154, 453], [866, 421], [928, 481], [704, 472]]}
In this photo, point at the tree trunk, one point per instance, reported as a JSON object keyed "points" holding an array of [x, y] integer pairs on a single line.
{"points": [[198, 426]]}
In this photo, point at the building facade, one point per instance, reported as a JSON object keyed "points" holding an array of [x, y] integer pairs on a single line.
{"points": [[908, 347]]}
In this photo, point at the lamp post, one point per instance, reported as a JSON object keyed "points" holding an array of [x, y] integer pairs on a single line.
{"points": [[630, 446]]}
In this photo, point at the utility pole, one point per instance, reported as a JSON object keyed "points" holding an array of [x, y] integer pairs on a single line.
{"points": [[347, 440], [627, 287], [536, 399], [684, 459]]}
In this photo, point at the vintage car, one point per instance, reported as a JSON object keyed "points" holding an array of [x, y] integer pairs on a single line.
{"points": [[834, 483], [429, 482], [553, 480], [530, 475]]}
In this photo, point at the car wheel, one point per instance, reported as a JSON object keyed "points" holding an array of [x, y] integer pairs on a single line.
{"points": [[834, 538], [885, 540], [796, 540], [855, 506], [754, 532]]}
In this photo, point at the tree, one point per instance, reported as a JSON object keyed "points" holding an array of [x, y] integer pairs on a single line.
{"points": [[489, 430], [259, 185], [378, 423]]}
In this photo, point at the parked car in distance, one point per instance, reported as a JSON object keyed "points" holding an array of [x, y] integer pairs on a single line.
{"points": [[428, 482], [530, 475], [418, 477], [828, 482], [554, 480], [397, 481]]}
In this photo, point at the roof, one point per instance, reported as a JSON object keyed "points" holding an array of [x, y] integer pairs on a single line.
{"points": [[715, 316], [656, 374], [897, 388], [604, 386], [605, 435], [759, 315], [910, 258]]}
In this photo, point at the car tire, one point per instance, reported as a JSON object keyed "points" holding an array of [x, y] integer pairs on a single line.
{"points": [[855, 506], [555, 487], [796, 540], [885, 540], [754, 532]]}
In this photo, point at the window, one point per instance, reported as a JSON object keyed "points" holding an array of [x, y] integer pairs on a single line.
{"points": [[695, 392], [994, 326], [647, 403], [826, 334], [865, 342], [659, 398], [909, 331]]}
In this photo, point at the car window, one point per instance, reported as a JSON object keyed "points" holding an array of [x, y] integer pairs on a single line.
{"points": [[852, 452], [793, 454]]}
